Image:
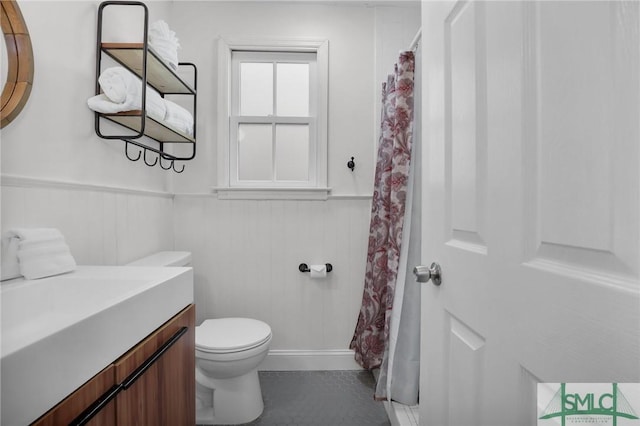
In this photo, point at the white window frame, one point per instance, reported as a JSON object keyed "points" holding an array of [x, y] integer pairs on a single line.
{"points": [[236, 119], [228, 186]]}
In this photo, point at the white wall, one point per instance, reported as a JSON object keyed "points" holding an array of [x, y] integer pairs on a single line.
{"points": [[246, 258], [55, 170], [396, 28]]}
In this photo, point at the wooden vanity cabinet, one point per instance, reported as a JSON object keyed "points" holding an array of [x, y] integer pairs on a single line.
{"points": [[165, 393], [72, 406], [159, 392]]}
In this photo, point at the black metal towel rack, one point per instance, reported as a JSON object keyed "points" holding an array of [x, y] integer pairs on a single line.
{"points": [[140, 130]]}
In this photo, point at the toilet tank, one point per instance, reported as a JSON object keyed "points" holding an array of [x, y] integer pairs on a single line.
{"points": [[164, 258]]}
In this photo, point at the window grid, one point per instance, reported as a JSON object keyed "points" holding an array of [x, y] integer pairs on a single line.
{"points": [[236, 120]]}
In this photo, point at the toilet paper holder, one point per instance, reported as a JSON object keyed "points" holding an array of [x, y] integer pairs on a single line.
{"points": [[303, 267]]}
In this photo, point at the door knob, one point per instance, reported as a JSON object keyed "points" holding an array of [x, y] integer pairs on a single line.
{"points": [[425, 273]]}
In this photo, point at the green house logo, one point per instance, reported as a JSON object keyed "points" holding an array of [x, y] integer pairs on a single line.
{"points": [[589, 403]]}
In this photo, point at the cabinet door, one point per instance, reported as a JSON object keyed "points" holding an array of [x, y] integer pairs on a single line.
{"points": [[165, 393], [72, 406]]}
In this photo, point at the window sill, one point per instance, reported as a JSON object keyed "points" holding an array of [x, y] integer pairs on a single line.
{"points": [[227, 193]]}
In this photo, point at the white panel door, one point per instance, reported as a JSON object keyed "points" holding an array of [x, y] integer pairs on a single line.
{"points": [[531, 190]]}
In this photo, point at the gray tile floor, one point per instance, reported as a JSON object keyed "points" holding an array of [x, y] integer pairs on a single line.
{"points": [[320, 398]]}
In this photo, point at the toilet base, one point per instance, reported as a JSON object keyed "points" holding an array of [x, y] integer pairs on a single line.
{"points": [[235, 400]]}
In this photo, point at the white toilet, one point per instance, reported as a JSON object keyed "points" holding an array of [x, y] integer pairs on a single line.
{"points": [[228, 353]]}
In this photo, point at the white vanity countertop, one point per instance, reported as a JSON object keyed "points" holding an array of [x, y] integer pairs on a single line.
{"points": [[58, 332]]}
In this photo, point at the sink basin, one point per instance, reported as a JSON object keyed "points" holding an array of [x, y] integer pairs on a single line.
{"points": [[58, 332]]}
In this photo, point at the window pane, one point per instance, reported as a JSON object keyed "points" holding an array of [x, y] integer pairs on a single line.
{"points": [[256, 88], [292, 152], [254, 152], [293, 90]]}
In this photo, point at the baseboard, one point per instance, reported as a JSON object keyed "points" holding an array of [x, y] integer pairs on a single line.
{"points": [[297, 360], [391, 413], [401, 415]]}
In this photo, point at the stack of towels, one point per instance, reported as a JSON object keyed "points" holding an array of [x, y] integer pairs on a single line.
{"points": [[35, 253], [164, 42], [122, 91]]}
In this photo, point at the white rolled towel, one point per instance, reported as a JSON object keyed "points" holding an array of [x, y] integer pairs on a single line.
{"points": [[42, 252], [123, 92], [100, 103], [164, 42], [178, 118]]}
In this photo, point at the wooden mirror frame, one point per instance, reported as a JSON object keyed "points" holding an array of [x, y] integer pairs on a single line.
{"points": [[17, 88]]}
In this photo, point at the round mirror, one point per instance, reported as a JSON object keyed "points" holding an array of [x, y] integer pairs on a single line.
{"points": [[19, 69]]}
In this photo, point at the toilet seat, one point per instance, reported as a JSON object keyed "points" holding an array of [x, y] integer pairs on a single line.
{"points": [[228, 335]]}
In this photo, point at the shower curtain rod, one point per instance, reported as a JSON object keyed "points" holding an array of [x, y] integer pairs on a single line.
{"points": [[416, 40]]}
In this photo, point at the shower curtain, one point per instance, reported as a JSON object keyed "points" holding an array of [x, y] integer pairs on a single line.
{"points": [[403, 374], [371, 337]]}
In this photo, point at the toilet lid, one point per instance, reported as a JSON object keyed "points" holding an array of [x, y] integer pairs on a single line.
{"points": [[231, 334], [164, 258]]}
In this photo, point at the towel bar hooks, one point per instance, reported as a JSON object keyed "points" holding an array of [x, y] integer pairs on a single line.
{"points": [[146, 162], [158, 160], [163, 167], [126, 152], [172, 164]]}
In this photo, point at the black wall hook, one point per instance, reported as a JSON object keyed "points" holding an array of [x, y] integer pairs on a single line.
{"points": [[351, 164], [146, 162], [173, 166], [126, 152], [168, 167], [158, 160]]}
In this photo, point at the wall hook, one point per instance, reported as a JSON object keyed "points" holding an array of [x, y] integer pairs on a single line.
{"points": [[173, 166], [163, 167], [351, 164], [126, 152], [145, 160], [158, 160]]}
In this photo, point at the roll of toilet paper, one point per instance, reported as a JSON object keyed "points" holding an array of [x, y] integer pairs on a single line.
{"points": [[318, 271]]}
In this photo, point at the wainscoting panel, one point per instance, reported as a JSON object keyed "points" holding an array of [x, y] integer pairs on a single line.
{"points": [[101, 225], [246, 255]]}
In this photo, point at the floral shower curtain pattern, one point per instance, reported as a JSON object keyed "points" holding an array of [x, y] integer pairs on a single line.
{"points": [[371, 337]]}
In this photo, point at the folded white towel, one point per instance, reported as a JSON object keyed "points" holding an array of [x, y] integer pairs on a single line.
{"points": [[164, 42], [45, 259], [42, 252], [123, 92], [101, 103], [167, 52], [178, 118], [36, 234], [10, 267]]}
